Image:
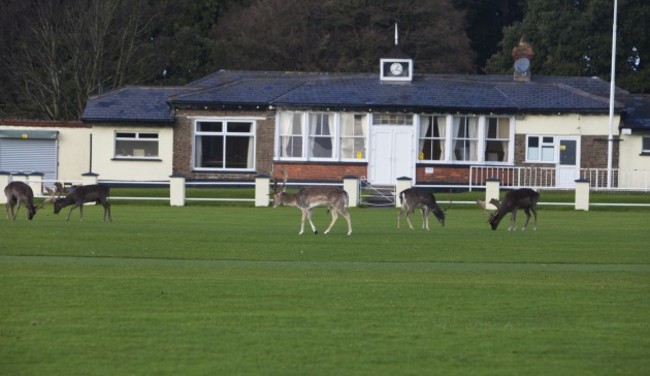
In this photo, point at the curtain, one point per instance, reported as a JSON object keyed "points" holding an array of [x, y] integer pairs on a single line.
{"points": [[441, 124], [457, 147], [424, 129], [472, 128]]}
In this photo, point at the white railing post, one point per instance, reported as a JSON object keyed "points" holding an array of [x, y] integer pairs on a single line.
{"points": [[89, 178], [492, 188], [400, 185], [262, 190], [582, 195], [351, 186], [35, 181], [177, 190], [4, 180]]}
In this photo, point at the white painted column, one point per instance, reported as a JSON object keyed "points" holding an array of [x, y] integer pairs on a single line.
{"points": [[4, 180], [89, 178], [351, 186], [35, 181], [582, 195], [177, 190], [492, 190], [400, 185], [262, 190]]}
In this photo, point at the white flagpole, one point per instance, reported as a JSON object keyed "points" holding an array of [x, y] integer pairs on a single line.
{"points": [[610, 138]]}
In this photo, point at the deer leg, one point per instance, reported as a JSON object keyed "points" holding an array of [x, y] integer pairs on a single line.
{"points": [[10, 207], [399, 215], [408, 217], [335, 216], [513, 221], [81, 212], [107, 210], [302, 221], [313, 228], [425, 218], [346, 215], [527, 211], [534, 218]]}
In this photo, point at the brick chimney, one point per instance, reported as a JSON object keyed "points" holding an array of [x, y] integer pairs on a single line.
{"points": [[521, 54]]}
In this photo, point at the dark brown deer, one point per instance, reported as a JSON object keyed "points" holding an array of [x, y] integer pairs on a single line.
{"points": [[82, 194], [522, 198], [413, 198], [307, 198], [18, 192]]}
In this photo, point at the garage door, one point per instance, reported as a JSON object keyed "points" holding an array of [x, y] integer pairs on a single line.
{"points": [[28, 152]]}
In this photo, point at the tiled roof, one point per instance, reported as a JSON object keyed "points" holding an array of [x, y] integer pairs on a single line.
{"points": [[637, 113], [132, 103], [426, 93]]}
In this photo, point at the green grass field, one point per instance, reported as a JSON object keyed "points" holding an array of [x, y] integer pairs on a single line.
{"points": [[209, 289]]}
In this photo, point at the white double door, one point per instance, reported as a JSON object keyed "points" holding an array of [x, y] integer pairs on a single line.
{"points": [[392, 154]]}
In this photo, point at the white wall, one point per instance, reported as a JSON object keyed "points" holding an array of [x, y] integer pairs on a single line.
{"points": [[109, 168], [569, 124]]}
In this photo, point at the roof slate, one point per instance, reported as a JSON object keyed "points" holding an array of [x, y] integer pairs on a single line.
{"points": [[432, 93]]}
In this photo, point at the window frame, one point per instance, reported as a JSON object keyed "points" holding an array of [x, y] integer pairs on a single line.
{"points": [[137, 138], [450, 136], [542, 144], [285, 120], [225, 133]]}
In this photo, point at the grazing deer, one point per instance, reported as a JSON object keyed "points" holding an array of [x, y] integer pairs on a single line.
{"points": [[83, 194], [307, 198], [18, 192], [413, 198], [522, 198]]}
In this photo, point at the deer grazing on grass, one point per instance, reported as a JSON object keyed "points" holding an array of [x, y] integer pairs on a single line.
{"points": [[18, 192], [413, 198], [522, 198], [307, 198], [82, 194]]}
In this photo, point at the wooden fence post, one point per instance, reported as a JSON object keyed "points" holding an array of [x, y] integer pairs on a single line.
{"points": [[262, 190], [177, 190], [582, 195], [401, 184], [492, 190]]}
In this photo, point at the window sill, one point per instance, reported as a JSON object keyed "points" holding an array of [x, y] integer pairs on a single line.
{"points": [[136, 159]]}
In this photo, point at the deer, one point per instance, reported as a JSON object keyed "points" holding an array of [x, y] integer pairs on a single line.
{"points": [[307, 198], [82, 194], [18, 192], [413, 198], [522, 198]]}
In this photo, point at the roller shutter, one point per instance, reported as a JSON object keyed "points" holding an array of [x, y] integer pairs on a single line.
{"points": [[27, 152]]}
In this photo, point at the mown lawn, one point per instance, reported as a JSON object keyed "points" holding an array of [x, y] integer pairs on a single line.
{"points": [[234, 290]]}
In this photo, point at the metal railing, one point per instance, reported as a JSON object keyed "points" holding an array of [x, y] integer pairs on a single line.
{"points": [[546, 177]]}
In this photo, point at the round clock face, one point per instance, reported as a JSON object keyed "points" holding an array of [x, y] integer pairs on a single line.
{"points": [[396, 69]]}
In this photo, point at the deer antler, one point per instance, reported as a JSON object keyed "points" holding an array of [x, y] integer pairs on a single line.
{"points": [[495, 202], [450, 199], [481, 203]]}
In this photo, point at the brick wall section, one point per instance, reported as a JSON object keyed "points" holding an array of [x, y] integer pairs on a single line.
{"points": [[442, 175], [182, 160], [321, 171]]}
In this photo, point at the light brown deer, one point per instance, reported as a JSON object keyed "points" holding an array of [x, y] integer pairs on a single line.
{"points": [[522, 198], [413, 198], [307, 198], [82, 194]]}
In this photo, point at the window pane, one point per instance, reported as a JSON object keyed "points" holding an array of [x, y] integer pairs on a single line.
{"points": [[209, 127], [148, 135], [209, 152], [533, 142], [646, 144], [547, 154], [125, 135], [238, 153], [239, 127], [353, 136], [533, 154]]}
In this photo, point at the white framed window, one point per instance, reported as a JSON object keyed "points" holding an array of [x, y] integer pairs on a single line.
{"points": [[322, 136], [433, 138], [354, 131], [224, 144], [645, 146], [137, 145], [497, 139], [392, 119], [465, 138], [540, 149], [291, 135]]}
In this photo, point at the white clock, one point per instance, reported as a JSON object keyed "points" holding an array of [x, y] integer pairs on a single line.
{"points": [[396, 69]]}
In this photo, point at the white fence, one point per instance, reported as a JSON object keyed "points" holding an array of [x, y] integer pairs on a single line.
{"points": [[546, 177]]}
